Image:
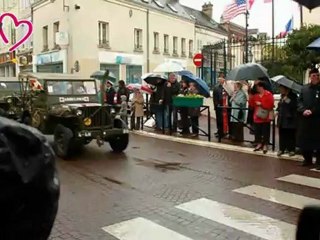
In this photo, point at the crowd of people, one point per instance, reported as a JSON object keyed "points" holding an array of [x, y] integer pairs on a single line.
{"points": [[297, 115], [161, 105], [166, 115]]}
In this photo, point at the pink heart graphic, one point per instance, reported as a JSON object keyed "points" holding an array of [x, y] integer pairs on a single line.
{"points": [[17, 23]]}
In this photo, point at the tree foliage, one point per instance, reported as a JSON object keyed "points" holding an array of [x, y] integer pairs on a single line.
{"points": [[293, 59], [296, 47]]}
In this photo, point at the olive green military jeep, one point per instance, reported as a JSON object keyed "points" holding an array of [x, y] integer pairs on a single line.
{"points": [[67, 106], [10, 101]]}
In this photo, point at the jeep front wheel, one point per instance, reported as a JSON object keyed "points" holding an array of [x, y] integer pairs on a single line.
{"points": [[119, 143], [64, 142]]}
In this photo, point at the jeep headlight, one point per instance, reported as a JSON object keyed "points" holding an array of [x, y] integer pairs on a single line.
{"points": [[79, 112], [9, 100], [87, 122]]}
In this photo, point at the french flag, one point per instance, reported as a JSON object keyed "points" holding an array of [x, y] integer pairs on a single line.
{"points": [[289, 27]]}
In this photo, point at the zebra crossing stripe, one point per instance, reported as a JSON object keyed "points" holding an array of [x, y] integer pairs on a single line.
{"points": [[315, 170], [277, 196], [240, 219], [301, 180], [142, 229]]}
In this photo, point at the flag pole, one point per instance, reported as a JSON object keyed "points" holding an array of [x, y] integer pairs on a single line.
{"points": [[247, 35], [272, 30], [301, 15]]}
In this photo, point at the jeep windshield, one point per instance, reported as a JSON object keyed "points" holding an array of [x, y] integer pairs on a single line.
{"points": [[10, 86], [71, 87]]}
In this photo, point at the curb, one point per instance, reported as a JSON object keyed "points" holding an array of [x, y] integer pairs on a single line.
{"points": [[221, 146]]}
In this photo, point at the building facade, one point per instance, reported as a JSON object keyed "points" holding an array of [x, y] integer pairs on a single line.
{"points": [[25, 52], [311, 17], [8, 67], [128, 37], [125, 37]]}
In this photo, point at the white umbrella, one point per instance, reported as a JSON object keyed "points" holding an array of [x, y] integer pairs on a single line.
{"points": [[168, 67]]}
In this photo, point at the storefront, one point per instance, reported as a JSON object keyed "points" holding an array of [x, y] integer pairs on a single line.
{"points": [[126, 67], [54, 62], [25, 61], [7, 65]]}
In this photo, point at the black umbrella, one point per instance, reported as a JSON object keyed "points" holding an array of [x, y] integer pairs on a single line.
{"points": [[248, 71], [284, 81], [310, 4], [152, 78], [101, 73]]}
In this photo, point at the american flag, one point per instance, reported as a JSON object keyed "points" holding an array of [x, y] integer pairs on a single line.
{"points": [[234, 9]]}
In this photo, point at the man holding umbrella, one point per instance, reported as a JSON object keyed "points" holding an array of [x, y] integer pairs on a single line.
{"points": [[171, 89], [309, 125]]}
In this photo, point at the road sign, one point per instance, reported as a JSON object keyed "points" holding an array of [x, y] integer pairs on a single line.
{"points": [[197, 59]]}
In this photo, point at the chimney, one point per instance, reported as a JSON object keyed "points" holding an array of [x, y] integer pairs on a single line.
{"points": [[207, 9]]}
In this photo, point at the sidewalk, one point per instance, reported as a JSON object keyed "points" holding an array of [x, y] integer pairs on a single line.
{"points": [[204, 126], [225, 144]]}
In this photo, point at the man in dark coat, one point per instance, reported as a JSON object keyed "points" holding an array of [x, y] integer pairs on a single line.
{"points": [[218, 101], [28, 181], [308, 137], [171, 89], [156, 106]]}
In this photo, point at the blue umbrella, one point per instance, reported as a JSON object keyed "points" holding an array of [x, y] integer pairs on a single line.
{"points": [[202, 85], [315, 45]]}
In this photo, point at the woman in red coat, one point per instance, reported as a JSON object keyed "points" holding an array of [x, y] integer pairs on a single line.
{"points": [[262, 102]]}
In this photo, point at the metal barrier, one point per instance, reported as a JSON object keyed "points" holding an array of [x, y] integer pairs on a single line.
{"points": [[172, 113], [273, 125]]}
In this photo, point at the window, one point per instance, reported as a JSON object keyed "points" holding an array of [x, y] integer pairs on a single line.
{"points": [[183, 47], [156, 42], [134, 74], [45, 38], [190, 48], [13, 35], [114, 68], [55, 30], [172, 8], [159, 4], [175, 45], [71, 87], [137, 39], [103, 34], [199, 47], [166, 44]]}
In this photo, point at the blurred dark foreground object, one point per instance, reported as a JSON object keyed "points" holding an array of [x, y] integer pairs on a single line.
{"points": [[29, 183], [309, 224]]}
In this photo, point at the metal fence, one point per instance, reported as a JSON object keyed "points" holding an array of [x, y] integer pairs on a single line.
{"points": [[227, 54]]}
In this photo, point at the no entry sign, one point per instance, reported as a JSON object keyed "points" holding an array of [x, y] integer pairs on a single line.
{"points": [[197, 59]]}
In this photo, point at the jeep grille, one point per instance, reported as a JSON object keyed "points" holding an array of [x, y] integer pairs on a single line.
{"points": [[96, 115]]}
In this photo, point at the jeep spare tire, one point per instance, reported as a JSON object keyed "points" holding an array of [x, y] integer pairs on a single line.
{"points": [[119, 143], [63, 141]]}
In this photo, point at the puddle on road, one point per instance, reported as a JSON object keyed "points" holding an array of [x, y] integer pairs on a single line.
{"points": [[163, 166], [174, 152], [113, 180]]}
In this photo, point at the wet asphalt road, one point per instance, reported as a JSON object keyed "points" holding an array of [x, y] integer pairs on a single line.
{"points": [[100, 188]]}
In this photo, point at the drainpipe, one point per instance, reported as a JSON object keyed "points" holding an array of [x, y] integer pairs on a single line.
{"points": [[148, 42]]}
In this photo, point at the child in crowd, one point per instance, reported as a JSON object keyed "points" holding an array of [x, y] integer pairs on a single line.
{"points": [[124, 109], [137, 110]]}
